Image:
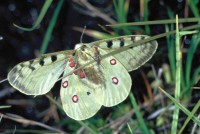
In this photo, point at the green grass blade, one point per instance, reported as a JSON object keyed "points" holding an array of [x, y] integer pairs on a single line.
{"points": [[186, 111], [50, 27], [171, 52], [55, 102], [157, 22], [121, 10], [194, 8], [129, 128], [178, 79], [183, 83], [40, 17], [141, 121], [171, 14], [87, 127], [146, 16], [196, 75], [194, 44], [189, 117]]}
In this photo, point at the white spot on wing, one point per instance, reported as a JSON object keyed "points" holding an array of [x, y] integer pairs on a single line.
{"points": [[116, 44]]}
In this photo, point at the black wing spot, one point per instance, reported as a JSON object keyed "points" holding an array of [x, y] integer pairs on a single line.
{"points": [[74, 53], [130, 47], [133, 38], [143, 37], [32, 68], [53, 58], [109, 44], [41, 62], [121, 42], [88, 93]]}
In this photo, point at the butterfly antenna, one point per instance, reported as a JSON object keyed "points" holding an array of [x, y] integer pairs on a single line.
{"points": [[82, 34], [3, 80]]}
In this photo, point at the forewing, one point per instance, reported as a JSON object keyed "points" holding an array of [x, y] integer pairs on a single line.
{"points": [[132, 58], [117, 81], [38, 76], [78, 100]]}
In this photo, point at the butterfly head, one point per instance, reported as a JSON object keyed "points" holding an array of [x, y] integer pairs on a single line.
{"points": [[81, 46], [78, 46]]}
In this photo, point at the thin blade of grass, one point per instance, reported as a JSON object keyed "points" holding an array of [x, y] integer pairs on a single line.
{"points": [[196, 76], [194, 44], [171, 52], [54, 101], [157, 22], [146, 16], [129, 128], [194, 8], [178, 79], [51, 27], [40, 17], [121, 8], [190, 116], [87, 127], [186, 111], [141, 121]]}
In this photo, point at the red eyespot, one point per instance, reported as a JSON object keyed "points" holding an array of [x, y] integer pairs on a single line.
{"points": [[115, 80], [72, 64], [112, 61], [65, 84], [82, 74], [75, 98]]}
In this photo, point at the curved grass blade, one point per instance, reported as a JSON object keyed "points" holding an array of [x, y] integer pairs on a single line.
{"points": [[40, 17], [186, 111]]}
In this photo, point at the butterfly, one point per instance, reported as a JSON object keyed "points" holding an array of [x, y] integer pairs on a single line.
{"points": [[104, 82]]}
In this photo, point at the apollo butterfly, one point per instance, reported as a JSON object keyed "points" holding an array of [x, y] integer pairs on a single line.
{"points": [[104, 82]]}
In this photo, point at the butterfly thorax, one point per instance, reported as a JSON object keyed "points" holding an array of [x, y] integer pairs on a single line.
{"points": [[93, 77]]}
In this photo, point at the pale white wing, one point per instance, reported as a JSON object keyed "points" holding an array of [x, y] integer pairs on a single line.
{"points": [[132, 58], [38, 76], [78, 100], [117, 81]]}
